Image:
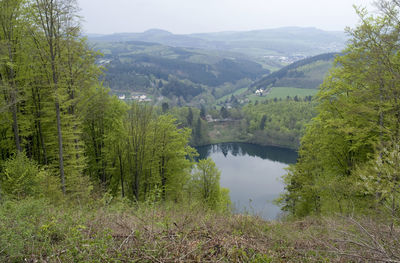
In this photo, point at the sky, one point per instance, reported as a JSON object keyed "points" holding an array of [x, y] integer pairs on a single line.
{"points": [[199, 16]]}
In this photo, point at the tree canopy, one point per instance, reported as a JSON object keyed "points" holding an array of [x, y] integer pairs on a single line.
{"points": [[357, 126]]}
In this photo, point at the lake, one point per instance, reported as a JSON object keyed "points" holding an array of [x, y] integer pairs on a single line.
{"points": [[252, 173]]}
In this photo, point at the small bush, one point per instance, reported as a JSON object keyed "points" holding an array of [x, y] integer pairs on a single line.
{"points": [[22, 177]]}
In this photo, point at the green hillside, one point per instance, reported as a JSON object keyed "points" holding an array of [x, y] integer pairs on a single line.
{"points": [[283, 93], [174, 72], [203, 68], [308, 73]]}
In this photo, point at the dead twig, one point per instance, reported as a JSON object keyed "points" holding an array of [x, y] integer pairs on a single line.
{"points": [[126, 239]]}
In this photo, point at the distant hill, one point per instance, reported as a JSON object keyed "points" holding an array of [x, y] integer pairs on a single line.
{"points": [[203, 68], [287, 41], [137, 66], [308, 73]]}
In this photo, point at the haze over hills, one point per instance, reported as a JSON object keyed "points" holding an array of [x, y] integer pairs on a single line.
{"points": [[286, 41]]}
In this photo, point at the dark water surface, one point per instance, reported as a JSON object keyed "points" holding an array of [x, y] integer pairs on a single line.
{"points": [[252, 173]]}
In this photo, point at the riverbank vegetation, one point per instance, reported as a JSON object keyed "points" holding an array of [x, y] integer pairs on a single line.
{"points": [[270, 122]]}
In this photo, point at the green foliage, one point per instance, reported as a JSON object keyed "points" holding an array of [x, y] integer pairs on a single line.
{"points": [[21, 178], [381, 177], [131, 60], [357, 127], [278, 123], [34, 230], [283, 92], [308, 73], [205, 186], [61, 129], [224, 113], [200, 132]]}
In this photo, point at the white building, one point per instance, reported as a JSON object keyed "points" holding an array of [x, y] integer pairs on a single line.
{"points": [[259, 92]]}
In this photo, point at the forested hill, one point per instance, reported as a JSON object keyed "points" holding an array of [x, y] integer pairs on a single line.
{"points": [[187, 69], [287, 41], [307, 73], [135, 66]]}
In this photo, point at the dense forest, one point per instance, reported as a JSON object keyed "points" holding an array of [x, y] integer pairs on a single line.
{"points": [[349, 155], [63, 134], [279, 122]]}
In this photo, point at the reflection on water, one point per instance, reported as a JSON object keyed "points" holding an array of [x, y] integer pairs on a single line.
{"points": [[252, 173]]}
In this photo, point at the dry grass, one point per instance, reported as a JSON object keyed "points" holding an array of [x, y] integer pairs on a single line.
{"points": [[181, 235], [34, 231]]}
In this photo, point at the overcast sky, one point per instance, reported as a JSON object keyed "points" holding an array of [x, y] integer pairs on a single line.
{"points": [[195, 16]]}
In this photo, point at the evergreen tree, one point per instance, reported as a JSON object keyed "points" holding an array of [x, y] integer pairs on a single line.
{"points": [[263, 121], [202, 112], [224, 113], [190, 117]]}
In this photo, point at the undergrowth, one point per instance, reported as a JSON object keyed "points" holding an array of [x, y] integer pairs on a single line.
{"points": [[35, 230]]}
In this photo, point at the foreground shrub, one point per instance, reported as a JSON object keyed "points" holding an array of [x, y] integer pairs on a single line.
{"points": [[21, 177]]}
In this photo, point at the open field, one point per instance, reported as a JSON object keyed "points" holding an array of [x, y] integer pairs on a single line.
{"points": [[283, 92]]}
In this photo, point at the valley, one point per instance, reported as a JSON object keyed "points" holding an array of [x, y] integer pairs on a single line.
{"points": [[222, 80], [272, 145], [205, 69]]}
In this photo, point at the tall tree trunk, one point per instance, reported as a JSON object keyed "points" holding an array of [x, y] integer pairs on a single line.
{"points": [[60, 147], [121, 172], [13, 98], [37, 102], [15, 122]]}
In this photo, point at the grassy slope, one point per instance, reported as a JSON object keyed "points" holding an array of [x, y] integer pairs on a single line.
{"points": [[283, 92], [300, 79], [235, 93], [306, 73], [314, 74], [35, 231]]}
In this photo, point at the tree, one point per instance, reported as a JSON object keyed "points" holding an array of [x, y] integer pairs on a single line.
{"points": [[21, 177], [10, 36], [171, 156], [165, 107], [190, 117], [387, 165], [102, 128], [224, 113], [54, 21], [138, 131], [358, 118], [263, 121], [65, 68], [202, 112], [200, 135], [206, 180]]}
